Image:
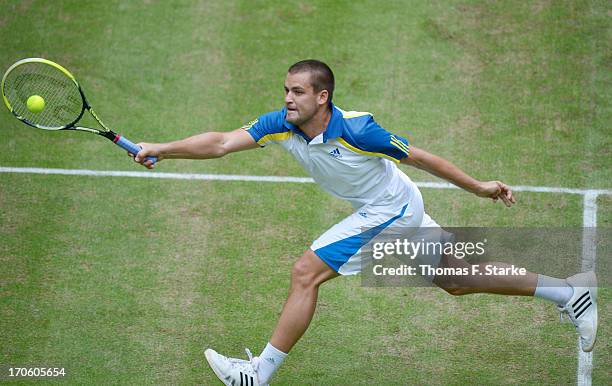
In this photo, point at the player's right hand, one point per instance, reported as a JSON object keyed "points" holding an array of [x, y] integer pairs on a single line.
{"points": [[148, 150]]}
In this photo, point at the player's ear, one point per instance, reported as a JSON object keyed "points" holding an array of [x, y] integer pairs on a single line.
{"points": [[323, 97]]}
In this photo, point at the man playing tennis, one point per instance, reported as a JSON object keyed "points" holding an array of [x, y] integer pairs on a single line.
{"points": [[355, 159]]}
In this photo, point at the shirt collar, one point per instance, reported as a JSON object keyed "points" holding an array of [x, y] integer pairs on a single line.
{"points": [[333, 129]]}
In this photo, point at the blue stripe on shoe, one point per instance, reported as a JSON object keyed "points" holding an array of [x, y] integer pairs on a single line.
{"points": [[339, 252]]}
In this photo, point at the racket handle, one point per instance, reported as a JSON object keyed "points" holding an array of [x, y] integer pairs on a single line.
{"points": [[130, 146]]}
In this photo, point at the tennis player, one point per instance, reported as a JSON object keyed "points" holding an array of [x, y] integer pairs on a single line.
{"points": [[355, 159]]}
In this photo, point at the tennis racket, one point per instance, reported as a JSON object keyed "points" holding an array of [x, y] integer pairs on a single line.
{"points": [[45, 95]]}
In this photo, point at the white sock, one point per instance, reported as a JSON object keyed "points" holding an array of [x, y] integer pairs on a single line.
{"points": [[270, 360], [553, 289]]}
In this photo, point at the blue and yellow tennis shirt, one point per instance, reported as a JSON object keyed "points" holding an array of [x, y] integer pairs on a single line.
{"points": [[354, 158]]}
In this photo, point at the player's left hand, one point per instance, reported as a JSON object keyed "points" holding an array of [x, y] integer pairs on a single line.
{"points": [[496, 190]]}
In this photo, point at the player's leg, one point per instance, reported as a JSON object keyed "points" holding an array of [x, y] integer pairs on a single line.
{"points": [[575, 296], [308, 273], [521, 285], [335, 252]]}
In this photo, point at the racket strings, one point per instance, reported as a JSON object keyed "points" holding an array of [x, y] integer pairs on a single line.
{"points": [[63, 101]]}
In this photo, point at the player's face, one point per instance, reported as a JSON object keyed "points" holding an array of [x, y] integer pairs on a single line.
{"points": [[301, 100]]}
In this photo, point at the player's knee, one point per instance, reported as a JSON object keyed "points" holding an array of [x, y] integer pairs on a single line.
{"points": [[455, 291], [454, 284], [306, 273], [451, 285], [302, 275]]}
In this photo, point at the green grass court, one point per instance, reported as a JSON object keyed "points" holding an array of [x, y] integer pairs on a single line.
{"points": [[126, 280]]}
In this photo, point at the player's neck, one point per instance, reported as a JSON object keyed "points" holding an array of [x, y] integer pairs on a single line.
{"points": [[318, 123]]}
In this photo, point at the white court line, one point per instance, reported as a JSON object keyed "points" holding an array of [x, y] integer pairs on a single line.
{"points": [[589, 255], [237, 177], [585, 360]]}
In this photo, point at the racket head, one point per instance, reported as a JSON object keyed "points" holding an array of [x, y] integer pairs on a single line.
{"points": [[64, 100]]}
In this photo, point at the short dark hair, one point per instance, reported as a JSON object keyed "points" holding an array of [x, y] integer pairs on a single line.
{"points": [[321, 76]]}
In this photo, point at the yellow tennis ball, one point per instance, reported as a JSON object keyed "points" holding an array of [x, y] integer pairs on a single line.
{"points": [[36, 103]]}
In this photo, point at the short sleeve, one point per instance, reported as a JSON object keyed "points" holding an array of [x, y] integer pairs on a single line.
{"points": [[268, 128], [370, 138]]}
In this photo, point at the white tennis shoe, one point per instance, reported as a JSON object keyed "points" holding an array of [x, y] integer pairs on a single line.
{"points": [[582, 308], [232, 371]]}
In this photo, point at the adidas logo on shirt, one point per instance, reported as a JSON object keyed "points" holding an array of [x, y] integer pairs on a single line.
{"points": [[335, 153]]}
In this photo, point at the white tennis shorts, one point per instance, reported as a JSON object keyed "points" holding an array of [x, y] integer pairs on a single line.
{"points": [[341, 246]]}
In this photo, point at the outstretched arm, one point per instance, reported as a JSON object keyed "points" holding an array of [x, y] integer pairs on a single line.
{"points": [[444, 169], [201, 146]]}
